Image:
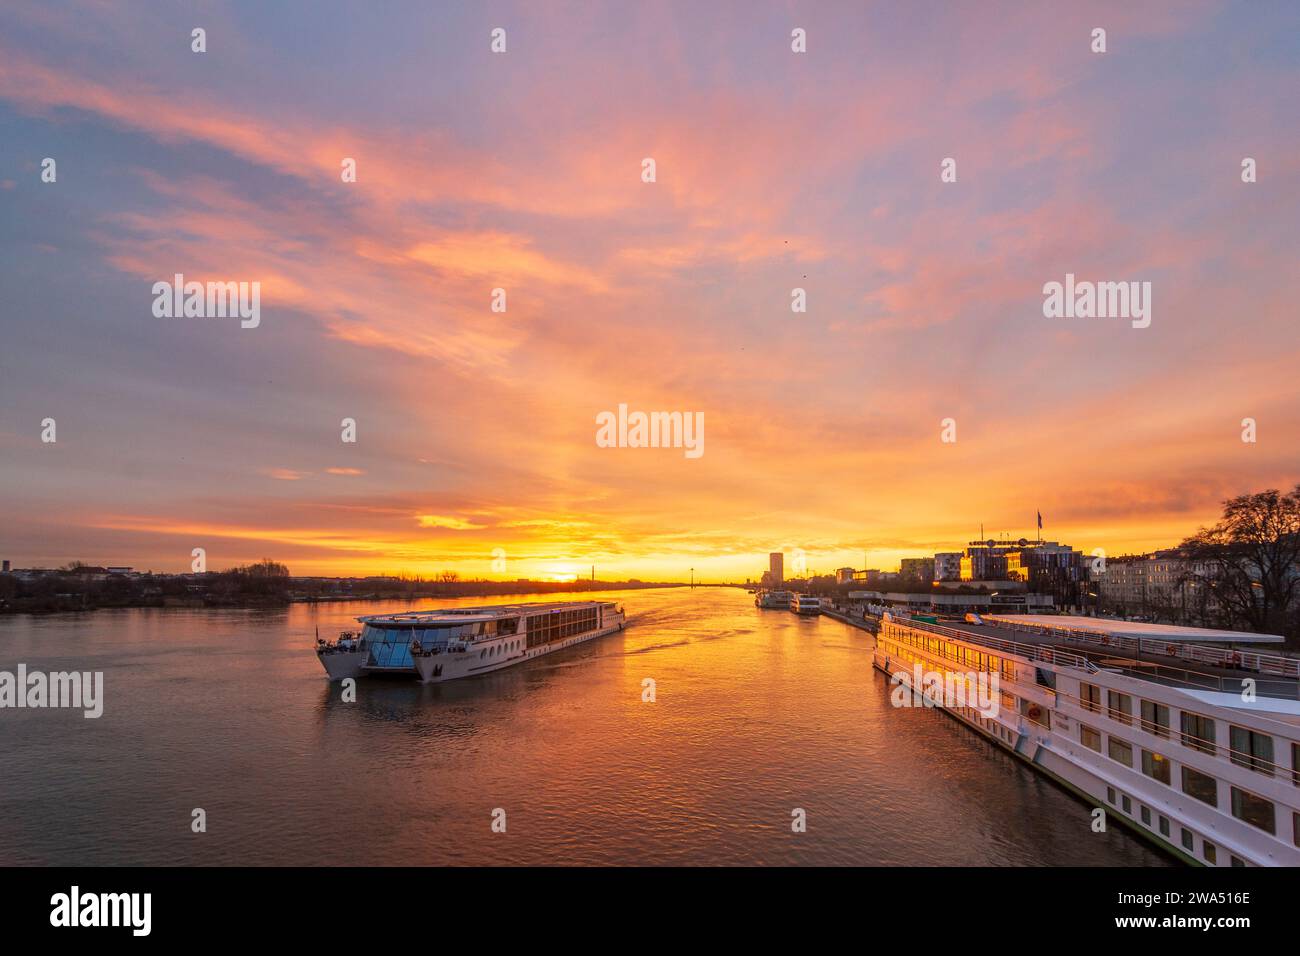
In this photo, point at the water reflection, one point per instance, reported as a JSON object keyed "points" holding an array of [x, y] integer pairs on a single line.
{"points": [[756, 712]]}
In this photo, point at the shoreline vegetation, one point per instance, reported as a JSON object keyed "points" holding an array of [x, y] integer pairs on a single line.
{"points": [[82, 587]]}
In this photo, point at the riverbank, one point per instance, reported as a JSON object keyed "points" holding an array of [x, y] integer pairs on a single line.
{"points": [[180, 591]]}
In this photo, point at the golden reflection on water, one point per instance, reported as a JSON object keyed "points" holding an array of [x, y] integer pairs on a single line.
{"points": [[756, 713]]}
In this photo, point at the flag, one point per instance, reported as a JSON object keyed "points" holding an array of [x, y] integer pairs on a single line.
{"points": [[1040, 521]]}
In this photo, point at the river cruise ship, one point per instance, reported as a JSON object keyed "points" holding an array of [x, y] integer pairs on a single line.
{"points": [[773, 599], [446, 644], [805, 604], [1182, 734]]}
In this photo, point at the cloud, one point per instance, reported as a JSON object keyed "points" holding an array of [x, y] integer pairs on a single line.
{"points": [[522, 173]]}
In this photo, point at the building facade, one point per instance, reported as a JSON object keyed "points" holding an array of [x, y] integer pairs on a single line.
{"points": [[947, 566], [1164, 585], [919, 569]]}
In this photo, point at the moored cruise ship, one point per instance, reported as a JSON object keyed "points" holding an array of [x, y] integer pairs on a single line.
{"points": [[805, 604], [443, 645], [772, 599], [1193, 745]]}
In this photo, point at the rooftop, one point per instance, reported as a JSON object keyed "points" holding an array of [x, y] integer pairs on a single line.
{"points": [[469, 615], [1134, 629]]}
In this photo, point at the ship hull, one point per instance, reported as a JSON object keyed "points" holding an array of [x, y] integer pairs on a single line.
{"points": [[439, 668], [341, 665], [1043, 717]]}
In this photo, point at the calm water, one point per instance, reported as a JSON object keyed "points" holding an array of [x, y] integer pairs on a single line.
{"points": [[758, 712]]}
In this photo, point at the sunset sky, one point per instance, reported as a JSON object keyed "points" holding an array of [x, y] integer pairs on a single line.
{"points": [[775, 170]]}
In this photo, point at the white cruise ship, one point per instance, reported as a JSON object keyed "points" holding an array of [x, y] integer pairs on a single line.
{"points": [[1192, 745], [772, 599], [446, 644], [805, 604]]}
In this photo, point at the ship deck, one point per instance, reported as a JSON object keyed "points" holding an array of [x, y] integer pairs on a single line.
{"points": [[470, 615], [1276, 677]]}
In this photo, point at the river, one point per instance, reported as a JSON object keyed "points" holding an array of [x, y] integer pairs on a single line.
{"points": [[757, 714]]}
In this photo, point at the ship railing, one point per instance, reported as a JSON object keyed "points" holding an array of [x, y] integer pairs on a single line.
{"points": [[1153, 671], [1046, 653], [1275, 665], [1280, 665], [1280, 674]]}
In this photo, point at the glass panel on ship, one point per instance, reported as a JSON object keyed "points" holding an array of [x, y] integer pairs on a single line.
{"points": [[549, 626], [390, 644]]}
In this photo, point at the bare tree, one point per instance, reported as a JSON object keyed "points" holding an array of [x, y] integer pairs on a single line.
{"points": [[1251, 560]]}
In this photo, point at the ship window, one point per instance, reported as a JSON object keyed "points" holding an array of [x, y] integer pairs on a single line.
{"points": [[1198, 732], [1237, 861], [1110, 794], [1121, 751], [1127, 804], [1090, 697], [1164, 826], [1155, 718], [1155, 766], [1089, 738], [1254, 810], [1119, 707], [1200, 786], [1251, 749], [1295, 828], [1146, 815], [1188, 841], [1211, 854]]}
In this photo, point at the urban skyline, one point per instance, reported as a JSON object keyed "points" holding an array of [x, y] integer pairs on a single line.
{"points": [[821, 564]]}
